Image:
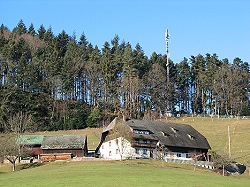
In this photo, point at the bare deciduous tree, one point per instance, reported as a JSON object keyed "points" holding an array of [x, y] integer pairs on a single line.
{"points": [[10, 146], [19, 123], [10, 149], [161, 152]]}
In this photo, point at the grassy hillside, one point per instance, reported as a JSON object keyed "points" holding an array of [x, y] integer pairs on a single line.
{"points": [[214, 129], [117, 173], [216, 132]]}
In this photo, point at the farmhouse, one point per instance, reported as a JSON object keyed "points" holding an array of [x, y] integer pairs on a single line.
{"points": [[124, 138]]}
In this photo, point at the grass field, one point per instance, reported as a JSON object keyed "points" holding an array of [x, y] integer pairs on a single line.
{"points": [[116, 173], [216, 132]]}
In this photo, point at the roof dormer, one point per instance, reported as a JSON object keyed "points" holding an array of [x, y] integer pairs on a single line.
{"points": [[191, 136], [165, 134], [174, 129]]}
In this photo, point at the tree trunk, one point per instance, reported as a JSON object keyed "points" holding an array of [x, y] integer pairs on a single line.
{"points": [[13, 162], [14, 166]]}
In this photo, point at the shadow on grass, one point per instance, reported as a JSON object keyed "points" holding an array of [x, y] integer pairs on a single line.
{"points": [[30, 165]]}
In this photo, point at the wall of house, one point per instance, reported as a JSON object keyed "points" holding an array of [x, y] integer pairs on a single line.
{"points": [[144, 152], [177, 155], [74, 152], [116, 149], [120, 148], [186, 156], [34, 151]]}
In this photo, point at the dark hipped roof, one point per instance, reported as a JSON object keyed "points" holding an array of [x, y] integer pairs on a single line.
{"points": [[171, 134], [64, 142]]}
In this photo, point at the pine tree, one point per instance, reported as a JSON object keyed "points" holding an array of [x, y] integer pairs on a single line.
{"points": [[84, 55], [48, 35], [3, 28], [212, 65], [20, 28], [70, 70], [31, 30], [63, 39], [129, 81], [197, 78], [108, 75], [94, 76], [142, 63], [41, 31], [182, 82]]}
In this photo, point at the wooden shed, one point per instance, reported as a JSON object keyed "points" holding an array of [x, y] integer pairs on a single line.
{"points": [[32, 143], [60, 147]]}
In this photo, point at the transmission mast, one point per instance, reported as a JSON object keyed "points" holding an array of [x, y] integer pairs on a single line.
{"points": [[167, 52], [168, 111]]}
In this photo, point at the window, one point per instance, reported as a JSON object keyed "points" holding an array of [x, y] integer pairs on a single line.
{"points": [[137, 151], [117, 151], [110, 153], [109, 144], [145, 141], [136, 131], [144, 151], [136, 140], [188, 155], [178, 154]]}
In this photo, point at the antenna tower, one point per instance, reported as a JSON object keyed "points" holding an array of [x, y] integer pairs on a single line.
{"points": [[168, 111], [167, 52]]}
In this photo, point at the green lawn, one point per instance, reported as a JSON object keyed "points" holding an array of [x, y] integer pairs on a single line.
{"points": [[116, 173]]}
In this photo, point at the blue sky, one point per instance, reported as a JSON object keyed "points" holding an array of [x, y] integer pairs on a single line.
{"points": [[195, 26]]}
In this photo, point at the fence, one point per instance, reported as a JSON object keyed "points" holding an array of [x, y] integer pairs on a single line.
{"points": [[205, 164]]}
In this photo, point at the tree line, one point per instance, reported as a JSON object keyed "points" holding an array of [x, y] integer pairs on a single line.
{"points": [[67, 83]]}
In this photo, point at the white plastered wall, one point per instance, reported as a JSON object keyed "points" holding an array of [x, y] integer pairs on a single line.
{"points": [[117, 149]]}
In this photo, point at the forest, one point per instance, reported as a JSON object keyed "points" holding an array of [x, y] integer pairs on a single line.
{"points": [[62, 82]]}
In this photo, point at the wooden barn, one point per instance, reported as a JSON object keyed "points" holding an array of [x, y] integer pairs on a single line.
{"points": [[63, 147], [32, 143]]}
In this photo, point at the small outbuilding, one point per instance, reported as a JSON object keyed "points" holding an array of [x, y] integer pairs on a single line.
{"points": [[63, 147], [32, 144]]}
